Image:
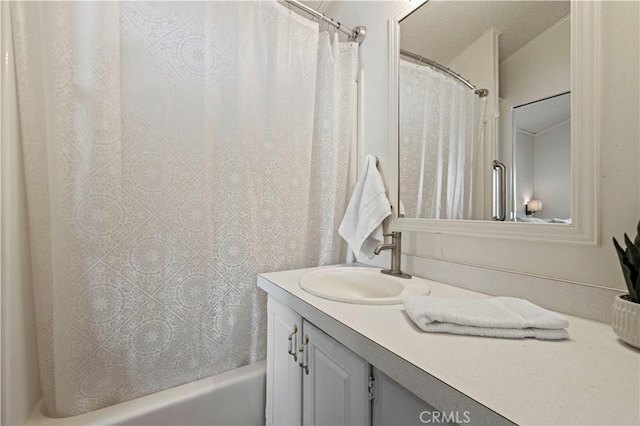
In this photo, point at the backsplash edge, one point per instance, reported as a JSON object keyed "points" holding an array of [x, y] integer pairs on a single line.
{"points": [[585, 301]]}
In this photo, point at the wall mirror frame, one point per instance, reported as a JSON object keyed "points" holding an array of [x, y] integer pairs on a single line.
{"points": [[585, 159]]}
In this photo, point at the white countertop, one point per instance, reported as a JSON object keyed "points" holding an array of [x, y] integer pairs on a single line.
{"points": [[591, 379]]}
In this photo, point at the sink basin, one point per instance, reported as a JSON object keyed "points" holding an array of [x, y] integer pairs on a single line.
{"points": [[364, 286]]}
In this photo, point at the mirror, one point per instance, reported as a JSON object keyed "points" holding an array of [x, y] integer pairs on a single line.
{"points": [[484, 111], [542, 160]]}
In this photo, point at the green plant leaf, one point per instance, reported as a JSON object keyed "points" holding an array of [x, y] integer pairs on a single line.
{"points": [[637, 240], [633, 252], [620, 250], [627, 277], [633, 288], [629, 272]]}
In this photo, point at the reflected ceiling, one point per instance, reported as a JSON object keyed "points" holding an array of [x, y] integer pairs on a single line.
{"points": [[543, 115], [465, 21]]}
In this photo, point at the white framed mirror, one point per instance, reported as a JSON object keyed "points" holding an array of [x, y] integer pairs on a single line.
{"points": [[540, 135], [461, 170]]}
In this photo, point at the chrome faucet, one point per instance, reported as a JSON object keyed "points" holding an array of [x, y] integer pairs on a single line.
{"points": [[396, 255]]}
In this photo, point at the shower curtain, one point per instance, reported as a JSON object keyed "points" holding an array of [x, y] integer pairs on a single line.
{"points": [[172, 151], [438, 143]]}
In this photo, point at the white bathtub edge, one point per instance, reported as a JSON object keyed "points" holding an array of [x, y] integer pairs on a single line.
{"points": [[148, 404]]}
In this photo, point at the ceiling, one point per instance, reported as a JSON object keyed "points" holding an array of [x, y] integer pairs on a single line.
{"points": [[540, 116], [441, 29]]}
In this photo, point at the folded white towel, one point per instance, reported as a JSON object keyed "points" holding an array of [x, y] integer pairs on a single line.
{"points": [[505, 317], [361, 225]]}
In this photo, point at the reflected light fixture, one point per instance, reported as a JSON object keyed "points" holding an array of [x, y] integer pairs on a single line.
{"points": [[532, 207]]}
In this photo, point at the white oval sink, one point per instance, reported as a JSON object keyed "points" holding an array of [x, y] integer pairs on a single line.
{"points": [[365, 286]]}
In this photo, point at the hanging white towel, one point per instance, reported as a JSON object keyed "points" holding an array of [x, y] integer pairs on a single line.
{"points": [[361, 225], [505, 317]]}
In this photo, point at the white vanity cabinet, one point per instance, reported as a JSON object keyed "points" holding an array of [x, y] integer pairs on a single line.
{"points": [[432, 378], [311, 378], [336, 389], [284, 375], [394, 405]]}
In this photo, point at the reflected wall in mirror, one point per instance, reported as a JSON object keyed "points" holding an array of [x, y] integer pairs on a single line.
{"points": [[467, 71], [542, 172]]}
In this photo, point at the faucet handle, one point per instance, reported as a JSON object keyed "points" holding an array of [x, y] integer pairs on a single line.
{"points": [[395, 235]]}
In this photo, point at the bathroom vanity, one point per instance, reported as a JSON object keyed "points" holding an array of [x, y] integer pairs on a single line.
{"points": [[330, 362]]}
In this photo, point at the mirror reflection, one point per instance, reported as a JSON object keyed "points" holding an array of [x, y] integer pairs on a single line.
{"points": [[484, 111], [542, 171]]}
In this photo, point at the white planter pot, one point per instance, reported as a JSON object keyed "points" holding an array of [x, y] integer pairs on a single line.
{"points": [[625, 320]]}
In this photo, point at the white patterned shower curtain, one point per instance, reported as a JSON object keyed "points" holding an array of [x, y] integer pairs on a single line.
{"points": [[438, 143], [172, 151]]}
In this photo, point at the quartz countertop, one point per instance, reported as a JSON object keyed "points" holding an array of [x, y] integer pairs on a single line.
{"points": [[593, 378]]}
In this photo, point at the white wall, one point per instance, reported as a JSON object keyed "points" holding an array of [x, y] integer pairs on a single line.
{"points": [[543, 165], [540, 67], [552, 171], [20, 380], [619, 155], [374, 15], [524, 164]]}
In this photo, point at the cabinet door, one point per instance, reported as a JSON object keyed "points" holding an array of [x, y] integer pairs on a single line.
{"points": [[335, 389], [394, 405], [284, 375]]}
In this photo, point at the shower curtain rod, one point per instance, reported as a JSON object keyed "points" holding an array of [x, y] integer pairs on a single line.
{"points": [[480, 92], [357, 34]]}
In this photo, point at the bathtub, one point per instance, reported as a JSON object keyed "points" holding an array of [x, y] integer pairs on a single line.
{"points": [[236, 397]]}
